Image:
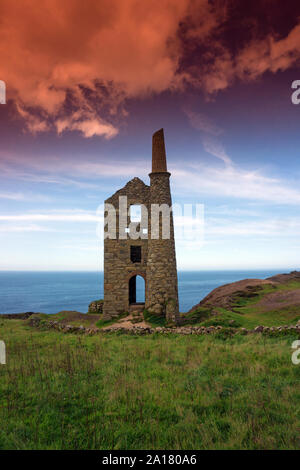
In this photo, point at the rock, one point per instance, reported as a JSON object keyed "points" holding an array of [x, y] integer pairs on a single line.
{"points": [[96, 306], [156, 309], [259, 329], [141, 330]]}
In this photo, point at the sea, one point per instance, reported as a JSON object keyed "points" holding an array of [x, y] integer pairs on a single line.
{"points": [[51, 292]]}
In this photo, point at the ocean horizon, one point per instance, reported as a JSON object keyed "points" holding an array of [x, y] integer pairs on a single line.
{"points": [[53, 291]]}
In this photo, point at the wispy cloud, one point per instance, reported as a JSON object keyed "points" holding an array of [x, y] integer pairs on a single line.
{"points": [[230, 180], [264, 227], [18, 196], [67, 172], [241, 211], [55, 216], [88, 124], [24, 228], [90, 247], [215, 148], [234, 182], [12, 196], [47, 178], [203, 123], [210, 133], [258, 55]]}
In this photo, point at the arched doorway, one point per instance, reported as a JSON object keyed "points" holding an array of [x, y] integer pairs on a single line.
{"points": [[136, 290]]}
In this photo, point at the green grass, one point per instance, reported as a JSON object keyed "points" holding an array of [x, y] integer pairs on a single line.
{"points": [[67, 391], [252, 296], [253, 318], [154, 320], [86, 320], [195, 317], [102, 323], [245, 311], [289, 285]]}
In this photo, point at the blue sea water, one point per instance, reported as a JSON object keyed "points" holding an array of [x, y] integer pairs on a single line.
{"points": [[50, 292]]}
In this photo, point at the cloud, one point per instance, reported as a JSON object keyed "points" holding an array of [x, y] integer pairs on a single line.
{"points": [[233, 182], [24, 228], [249, 63], [89, 125], [34, 123], [225, 181], [38, 173], [265, 227], [269, 54], [95, 248], [54, 216], [226, 210], [25, 197], [73, 65], [203, 123], [209, 133], [12, 196], [216, 149], [64, 171], [70, 56]]}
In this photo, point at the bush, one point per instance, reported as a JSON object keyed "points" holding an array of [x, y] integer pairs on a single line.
{"points": [[154, 320]]}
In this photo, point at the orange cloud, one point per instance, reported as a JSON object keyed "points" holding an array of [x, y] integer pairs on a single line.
{"points": [[269, 54], [72, 64], [58, 48], [251, 62], [88, 126]]}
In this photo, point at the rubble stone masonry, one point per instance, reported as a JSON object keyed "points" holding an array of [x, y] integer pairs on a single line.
{"points": [[158, 259]]}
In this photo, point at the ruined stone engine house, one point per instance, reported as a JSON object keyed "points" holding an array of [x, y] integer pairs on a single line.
{"points": [[139, 248]]}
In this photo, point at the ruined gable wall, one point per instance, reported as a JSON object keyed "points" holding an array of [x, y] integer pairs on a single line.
{"points": [[118, 268]]}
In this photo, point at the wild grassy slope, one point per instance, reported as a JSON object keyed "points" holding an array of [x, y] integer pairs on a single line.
{"points": [[156, 392], [248, 304]]}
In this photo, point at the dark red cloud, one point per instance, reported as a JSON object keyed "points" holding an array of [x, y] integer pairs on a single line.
{"points": [[73, 64]]}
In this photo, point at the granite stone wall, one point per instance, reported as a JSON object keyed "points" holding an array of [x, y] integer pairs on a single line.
{"points": [[118, 267], [158, 261], [162, 285]]}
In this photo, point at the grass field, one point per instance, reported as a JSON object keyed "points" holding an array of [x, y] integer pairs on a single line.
{"points": [[66, 391]]}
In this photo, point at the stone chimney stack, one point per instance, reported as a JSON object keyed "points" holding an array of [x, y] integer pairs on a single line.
{"points": [[162, 285], [159, 161]]}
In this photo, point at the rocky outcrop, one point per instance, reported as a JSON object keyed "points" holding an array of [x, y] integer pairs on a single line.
{"points": [[96, 306]]}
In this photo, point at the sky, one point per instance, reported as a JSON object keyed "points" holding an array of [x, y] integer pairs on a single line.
{"points": [[87, 85]]}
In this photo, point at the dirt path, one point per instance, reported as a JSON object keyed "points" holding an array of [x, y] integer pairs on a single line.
{"points": [[127, 323]]}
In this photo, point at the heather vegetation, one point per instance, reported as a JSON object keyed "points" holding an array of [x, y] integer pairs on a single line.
{"points": [[268, 305]]}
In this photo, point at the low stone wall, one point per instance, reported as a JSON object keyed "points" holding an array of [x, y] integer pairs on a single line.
{"points": [[139, 330]]}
